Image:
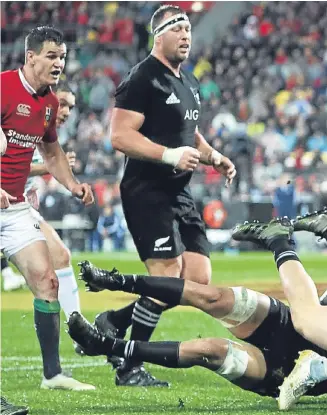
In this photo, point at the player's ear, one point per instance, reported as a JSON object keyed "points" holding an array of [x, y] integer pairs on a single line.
{"points": [[30, 57], [158, 40]]}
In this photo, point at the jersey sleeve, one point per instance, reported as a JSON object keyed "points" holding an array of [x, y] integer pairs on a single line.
{"points": [[51, 135], [133, 93]]}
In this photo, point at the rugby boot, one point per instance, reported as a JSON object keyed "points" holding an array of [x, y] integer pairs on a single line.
{"points": [[10, 409], [104, 324], [97, 279], [92, 341], [137, 376], [300, 380], [315, 222], [263, 234]]}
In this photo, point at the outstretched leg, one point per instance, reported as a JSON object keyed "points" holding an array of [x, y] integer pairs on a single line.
{"points": [[243, 364], [239, 309], [308, 314]]}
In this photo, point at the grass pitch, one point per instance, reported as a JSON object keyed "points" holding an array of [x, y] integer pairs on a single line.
{"points": [[192, 391]]}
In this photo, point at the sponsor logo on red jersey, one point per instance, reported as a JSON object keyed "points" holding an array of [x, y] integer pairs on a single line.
{"points": [[24, 110], [23, 140]]}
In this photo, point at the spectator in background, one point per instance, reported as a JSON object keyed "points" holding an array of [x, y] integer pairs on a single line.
{"points": [[111, 225], [101, 92], [52, 202], [317, 142], [88, 127], [250, 29], [209, 88], [284, 198]]}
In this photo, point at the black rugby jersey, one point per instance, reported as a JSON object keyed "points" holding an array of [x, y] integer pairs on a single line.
{"points": [[171, 107]]}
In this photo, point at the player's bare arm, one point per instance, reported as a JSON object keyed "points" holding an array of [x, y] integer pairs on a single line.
{"points": [[57, 164], [41, 169], [125, 137], [210, 156]]}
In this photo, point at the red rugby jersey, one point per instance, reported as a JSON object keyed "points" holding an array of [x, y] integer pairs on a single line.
{"points": [[26, 119]]}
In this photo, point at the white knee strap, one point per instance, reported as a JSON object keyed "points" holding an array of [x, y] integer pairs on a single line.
{"points": [[245, 305], [235, 363]]}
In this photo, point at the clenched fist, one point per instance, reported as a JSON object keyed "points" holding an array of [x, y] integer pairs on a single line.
{"points": [[183, 158], [84, 192]]}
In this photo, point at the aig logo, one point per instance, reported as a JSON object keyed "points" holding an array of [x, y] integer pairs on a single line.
{"points": [[24, 110], [191, 115]]}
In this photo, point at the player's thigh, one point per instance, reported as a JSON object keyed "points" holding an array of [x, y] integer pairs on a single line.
{"points": [[59, 253], [260, 313], [164, 267], [196, 261], [241, 363], [196, 267], [35, 264], [156, 235]]}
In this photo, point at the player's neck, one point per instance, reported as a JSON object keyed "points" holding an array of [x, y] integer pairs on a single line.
{"points": [[174, 68], [33, 82]]}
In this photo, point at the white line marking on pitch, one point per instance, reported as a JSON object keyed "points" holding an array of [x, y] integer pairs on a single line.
{"points": [[39, 359], [70, 363]]}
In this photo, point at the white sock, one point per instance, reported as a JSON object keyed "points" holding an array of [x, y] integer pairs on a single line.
{"points": [[318, 369], [68, 291]]}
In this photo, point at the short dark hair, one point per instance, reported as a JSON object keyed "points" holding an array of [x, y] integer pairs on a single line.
{"points": [[37, 36], [63, 86], [159, 14]]}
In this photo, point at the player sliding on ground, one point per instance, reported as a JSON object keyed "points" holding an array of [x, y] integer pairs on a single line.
{"points": [[260, 364], [300, 290]]}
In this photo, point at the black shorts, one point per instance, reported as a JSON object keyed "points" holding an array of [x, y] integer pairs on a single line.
{"points": [[164, 227], [280, 345]]}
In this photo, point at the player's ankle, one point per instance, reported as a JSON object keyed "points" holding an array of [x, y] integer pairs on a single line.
{"points": [[283, 250]]}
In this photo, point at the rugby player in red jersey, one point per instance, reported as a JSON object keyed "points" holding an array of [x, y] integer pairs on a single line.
{"points": [[28, 119]]}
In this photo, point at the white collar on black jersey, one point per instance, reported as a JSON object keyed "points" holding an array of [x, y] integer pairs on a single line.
{"points": [[26, 85]]}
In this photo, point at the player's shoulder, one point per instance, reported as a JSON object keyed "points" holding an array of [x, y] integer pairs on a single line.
{"points": [[9, 76], [141, 71]]}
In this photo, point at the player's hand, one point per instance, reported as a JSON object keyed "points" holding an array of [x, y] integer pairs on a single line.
{"points": [[84, 192], [33, 198], [190, 158], [225, 167], [5, 199], [71, 158], [183, 158]]}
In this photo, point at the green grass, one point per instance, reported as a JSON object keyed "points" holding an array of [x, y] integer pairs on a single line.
{"points": [[201, 391]]}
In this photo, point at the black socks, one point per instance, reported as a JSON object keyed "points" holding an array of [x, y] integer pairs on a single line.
{"points": [[283, 250]]}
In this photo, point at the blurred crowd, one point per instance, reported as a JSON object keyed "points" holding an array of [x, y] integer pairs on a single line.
{"points": [[263, 86]]}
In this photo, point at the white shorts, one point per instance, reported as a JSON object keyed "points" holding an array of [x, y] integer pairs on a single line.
{"points": [[18, 228], [36, 215]]}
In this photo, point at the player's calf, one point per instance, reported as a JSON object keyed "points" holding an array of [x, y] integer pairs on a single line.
{"points": [[61, 258], [225, 357]]}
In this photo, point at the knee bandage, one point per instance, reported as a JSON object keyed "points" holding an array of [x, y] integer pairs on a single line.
{"points": [[245, 304], [235, 363]]}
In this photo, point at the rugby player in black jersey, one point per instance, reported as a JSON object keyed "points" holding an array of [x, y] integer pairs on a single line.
{"points": [[155, 124]]}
